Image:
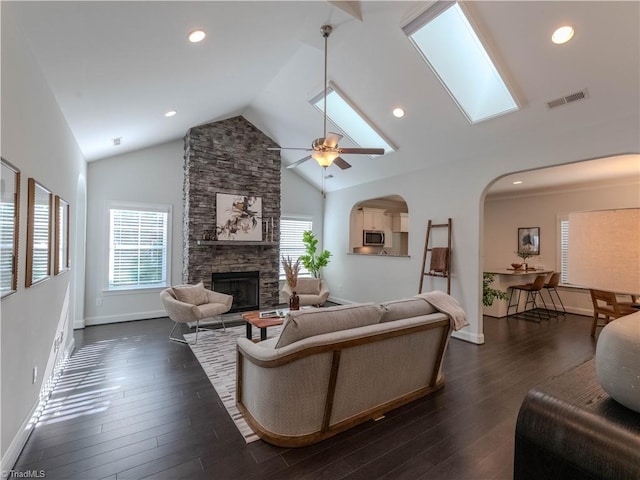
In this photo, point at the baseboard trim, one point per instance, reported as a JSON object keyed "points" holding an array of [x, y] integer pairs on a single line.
{"points": [[125, 317], [477, 338], [20, 440], [340, 301], [17, 444]]}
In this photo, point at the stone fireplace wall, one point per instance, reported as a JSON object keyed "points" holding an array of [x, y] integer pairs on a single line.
{"points": [[230, 156]]}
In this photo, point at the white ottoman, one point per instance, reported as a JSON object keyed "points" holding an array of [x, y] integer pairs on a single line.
{"points": [[618, 360]]}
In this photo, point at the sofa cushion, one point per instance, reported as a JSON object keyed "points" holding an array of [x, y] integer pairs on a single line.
{"points": [[307, 286], [309, 322], [406, 308], [192, 294]]}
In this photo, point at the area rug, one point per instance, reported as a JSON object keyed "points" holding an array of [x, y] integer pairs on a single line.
{"points": [[216, 352]]}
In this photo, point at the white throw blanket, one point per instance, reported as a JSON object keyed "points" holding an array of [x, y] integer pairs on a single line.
{"points": [[448, 305]]}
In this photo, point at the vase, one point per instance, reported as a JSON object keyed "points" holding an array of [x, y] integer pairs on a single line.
{"points": [[294, 301]]}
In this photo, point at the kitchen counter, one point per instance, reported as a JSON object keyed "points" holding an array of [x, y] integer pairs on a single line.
{"points": [[505, 278]]}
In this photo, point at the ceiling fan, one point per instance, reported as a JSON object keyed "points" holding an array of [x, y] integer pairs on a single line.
{"points": [[325, 149]]}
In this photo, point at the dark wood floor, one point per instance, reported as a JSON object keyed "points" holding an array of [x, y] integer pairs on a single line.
{"points": [[132, 404]]}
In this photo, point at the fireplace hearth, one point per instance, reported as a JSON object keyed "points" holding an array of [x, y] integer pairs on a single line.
{"points": [[244, 286]]}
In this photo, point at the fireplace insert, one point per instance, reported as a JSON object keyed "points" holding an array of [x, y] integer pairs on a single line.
{"points": [[244, 286]]}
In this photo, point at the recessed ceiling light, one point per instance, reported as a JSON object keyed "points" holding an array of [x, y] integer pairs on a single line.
{"points": [[170, 113], [562, 35], [398, 112], [517, 182], [197, 36]]}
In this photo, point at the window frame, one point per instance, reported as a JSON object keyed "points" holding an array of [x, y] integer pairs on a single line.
{"points": [[292, 218], [143, 207]]}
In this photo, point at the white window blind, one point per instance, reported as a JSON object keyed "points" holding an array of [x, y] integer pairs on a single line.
{"points": [[138, 245], [7, 220], [40, 268], [291, 230], [564, 251]]}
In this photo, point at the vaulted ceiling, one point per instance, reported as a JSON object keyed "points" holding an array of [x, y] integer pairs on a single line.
{"points": [[117, 67]]}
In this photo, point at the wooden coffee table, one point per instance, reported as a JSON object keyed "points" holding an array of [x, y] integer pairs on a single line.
{"points": [[253, 319]]}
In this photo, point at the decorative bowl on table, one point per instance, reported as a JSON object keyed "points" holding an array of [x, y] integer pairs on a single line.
{"points": [[516, 266]]}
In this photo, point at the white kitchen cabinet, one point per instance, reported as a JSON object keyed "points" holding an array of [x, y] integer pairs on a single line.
{"points": [[373, 219], [400, 222], [357, 226]]}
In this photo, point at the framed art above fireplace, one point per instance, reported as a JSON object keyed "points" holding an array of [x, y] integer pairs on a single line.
{"points": [[238, 217]]}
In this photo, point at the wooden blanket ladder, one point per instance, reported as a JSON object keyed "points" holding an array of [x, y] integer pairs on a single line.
{"points": [[439, 258]]}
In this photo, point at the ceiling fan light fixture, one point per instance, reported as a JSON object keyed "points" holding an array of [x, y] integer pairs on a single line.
{"points": [[326, 158]]}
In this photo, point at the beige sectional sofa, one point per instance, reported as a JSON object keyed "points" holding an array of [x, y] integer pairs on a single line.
{"points": [[333, 368]]}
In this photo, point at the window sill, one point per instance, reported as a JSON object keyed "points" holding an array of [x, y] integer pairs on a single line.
{"points": [[132, 291]]}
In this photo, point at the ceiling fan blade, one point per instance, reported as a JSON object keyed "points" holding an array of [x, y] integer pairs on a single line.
{"points": [[365, 151], [298, 162], [332, 140], [341, 163], [290, 148]]}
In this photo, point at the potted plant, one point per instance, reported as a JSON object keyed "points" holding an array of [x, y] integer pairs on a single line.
{"points": [[311, 261], [490, 294]]}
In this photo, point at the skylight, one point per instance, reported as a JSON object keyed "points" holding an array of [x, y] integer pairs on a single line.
{"points": [[447, 41], [350, 121]]}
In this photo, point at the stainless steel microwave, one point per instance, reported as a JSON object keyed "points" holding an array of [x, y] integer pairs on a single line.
{"points": [[372, 238]]}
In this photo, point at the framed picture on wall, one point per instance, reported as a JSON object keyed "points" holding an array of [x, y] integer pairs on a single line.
{"points": [[529, 240], [61, 236], [39, 214], [9, 228], [238, 217]]}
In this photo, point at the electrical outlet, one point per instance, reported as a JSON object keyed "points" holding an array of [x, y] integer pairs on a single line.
{"points": [[35, 375], [99, 302]]}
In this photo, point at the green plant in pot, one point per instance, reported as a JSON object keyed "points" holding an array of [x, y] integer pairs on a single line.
{"points": [[313, 262], [490, 294]]}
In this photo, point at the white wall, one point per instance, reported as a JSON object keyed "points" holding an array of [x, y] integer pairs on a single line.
{"points": [[151, 175], [505, 213], [37, 140], [451, 187]]}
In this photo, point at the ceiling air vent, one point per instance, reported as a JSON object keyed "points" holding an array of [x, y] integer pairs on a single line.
{"points": [[574, 97]]}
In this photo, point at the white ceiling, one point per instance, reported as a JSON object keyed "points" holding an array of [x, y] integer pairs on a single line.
{"points": [[117, 67]]}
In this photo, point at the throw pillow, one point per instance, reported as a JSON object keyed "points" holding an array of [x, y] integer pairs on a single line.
{"points": [[192, 294], [307, 286], [309, 322]]}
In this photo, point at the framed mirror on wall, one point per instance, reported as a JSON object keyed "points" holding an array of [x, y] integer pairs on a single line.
{"points": [[9, 227], [61, 257], [39, 205]]}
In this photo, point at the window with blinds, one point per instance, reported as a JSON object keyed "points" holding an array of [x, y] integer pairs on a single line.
{"points": [[564, 250], [138, 248], [41, 225], [291, 230], [7, 221]]}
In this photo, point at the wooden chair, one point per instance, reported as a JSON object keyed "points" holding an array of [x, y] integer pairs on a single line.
{"points": [[550, 287], [606, 304], [532, 290]]}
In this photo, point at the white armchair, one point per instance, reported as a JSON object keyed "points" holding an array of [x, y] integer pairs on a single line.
{"points": [[192, 303], [312, 291]]}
